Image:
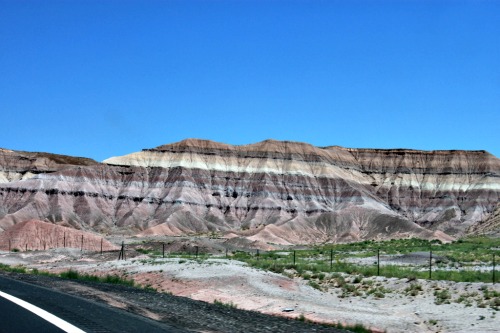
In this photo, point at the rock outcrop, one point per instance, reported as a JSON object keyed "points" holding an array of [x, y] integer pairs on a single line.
{"points": [[20, 165], [490, 226], [273, 191]]}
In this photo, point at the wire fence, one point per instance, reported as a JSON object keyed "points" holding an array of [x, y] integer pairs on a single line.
{"points": [[454, 262], [431, 263], [55, 241]]}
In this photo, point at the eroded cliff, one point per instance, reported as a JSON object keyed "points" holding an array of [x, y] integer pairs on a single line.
{"points": [[281, 192], [19, 165]]}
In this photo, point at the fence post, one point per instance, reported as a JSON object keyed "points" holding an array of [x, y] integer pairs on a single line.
{"points": [[101, 245], [331, 259], [257, 254], [81, 248], [64, 240], [493, 268], [430, 261], [294, 257], [226, 252], [196, 247], [163, 250], [122, 252], [378, 262]]}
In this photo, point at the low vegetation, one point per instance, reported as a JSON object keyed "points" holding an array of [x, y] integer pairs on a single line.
{"points": [[15, 269], [465, 260], [113, 279], [73, 275], [230, 305]]}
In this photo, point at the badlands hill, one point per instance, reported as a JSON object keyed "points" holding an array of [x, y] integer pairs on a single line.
{"points": [[39, 235], [275, 191]]}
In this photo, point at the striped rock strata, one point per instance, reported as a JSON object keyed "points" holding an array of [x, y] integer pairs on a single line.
{"points": [[19, 165], [280, 192]]}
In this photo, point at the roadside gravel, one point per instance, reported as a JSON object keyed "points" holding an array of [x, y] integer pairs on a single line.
{"points": [[180, 312]]}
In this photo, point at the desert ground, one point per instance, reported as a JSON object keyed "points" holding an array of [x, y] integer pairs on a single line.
{"points": [[378, 303]]}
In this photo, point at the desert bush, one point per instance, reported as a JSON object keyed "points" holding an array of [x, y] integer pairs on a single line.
{"points": [[227, 305], [413, 289], [314, 285], [442, 297], [71, 274]]}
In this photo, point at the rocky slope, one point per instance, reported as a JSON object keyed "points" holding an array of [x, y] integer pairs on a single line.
{"points": [[490, 226], [280, 192]]}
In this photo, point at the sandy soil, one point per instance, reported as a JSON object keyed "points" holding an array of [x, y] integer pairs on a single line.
{"points": [[393, 309]]}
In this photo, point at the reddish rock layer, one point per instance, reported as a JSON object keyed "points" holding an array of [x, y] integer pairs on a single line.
{"points": [[39, 235]]}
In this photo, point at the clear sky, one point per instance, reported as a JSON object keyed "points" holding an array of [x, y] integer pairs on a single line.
{"points": [[107, 78]]}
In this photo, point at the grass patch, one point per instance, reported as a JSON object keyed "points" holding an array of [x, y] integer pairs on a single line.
{"points": [[230, 305], [113, 279], [358, 328], [70, 274], [442, 297], [14, 269], [314, 285], [413, 289]]}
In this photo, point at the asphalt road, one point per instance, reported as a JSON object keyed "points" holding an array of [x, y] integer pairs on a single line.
{"points": [[84, 314], [14, 318]]}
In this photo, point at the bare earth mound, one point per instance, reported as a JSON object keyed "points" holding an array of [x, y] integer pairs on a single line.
{"points": [[39, 235]]}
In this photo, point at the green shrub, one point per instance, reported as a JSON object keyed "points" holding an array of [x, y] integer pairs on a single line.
{"points": [[71, 274], [115, 279], [442, 296], [413, 289], [227, 305], [314, 285]]}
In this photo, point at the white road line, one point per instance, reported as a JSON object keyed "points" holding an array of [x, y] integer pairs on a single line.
{"points": [[64, 325]]}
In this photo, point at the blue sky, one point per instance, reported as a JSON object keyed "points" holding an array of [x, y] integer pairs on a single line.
{"points": [[107, 78]]}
